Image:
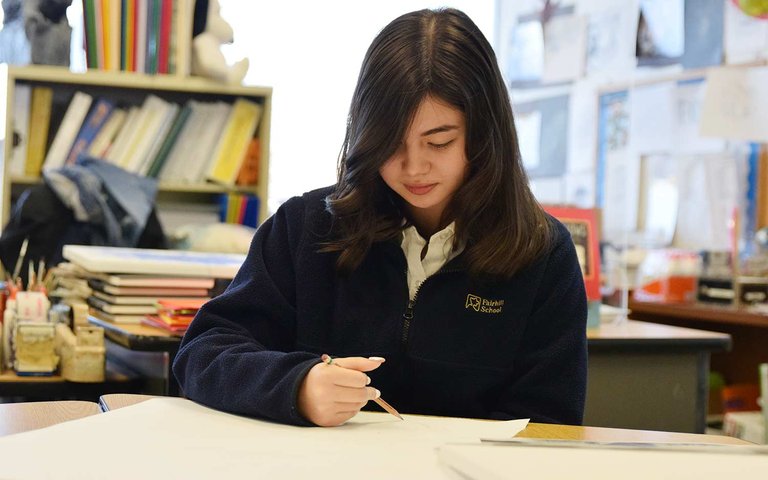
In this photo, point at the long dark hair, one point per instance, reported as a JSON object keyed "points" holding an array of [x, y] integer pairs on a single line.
{"points": [[440, 53]]}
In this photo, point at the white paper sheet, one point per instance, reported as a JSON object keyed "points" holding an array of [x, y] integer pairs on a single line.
{"points": [[174, 438], [611, 35], [746, 38], [736, 104], [582, 128], [548, 190], [529, 137], [565, 41], [506, 461], [689, 100], [622, 195], [652, 118]]}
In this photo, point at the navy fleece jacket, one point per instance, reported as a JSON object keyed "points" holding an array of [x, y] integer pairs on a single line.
{"points": [[467, 348]]}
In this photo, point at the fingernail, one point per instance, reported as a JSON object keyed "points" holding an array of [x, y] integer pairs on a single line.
{"points": [[367, 380], [376, 359], [378, 393]]}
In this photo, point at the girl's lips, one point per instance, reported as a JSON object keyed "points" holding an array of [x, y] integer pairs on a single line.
{"points": [[420, 189]]}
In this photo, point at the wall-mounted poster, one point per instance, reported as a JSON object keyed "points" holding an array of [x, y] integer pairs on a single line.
{"points": [[550, 138]]}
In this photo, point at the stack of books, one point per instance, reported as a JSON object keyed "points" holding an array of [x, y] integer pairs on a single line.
{"points": [[129, 298], [124, 285], [174, 315]]}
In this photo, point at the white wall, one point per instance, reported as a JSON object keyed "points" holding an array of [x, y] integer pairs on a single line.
{"points": [[310, 53]]}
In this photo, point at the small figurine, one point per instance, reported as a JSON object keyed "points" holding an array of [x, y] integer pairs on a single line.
{"points": [[210, 32]]}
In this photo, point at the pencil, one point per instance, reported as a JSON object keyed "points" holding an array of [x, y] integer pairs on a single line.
{"points": [[328, 360], [20, 260], [389, 408]]}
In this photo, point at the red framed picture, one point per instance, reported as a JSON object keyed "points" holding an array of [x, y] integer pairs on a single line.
{"points": [[582, 223]]}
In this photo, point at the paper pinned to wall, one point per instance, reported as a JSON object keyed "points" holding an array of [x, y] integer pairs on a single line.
{"points": [[708, 195], [622, 192], [582, 129], [528, 126], [652, 119], [611, 35], [736, 104], [690, 98], [565, 41], [548, 190], [746, 38]]}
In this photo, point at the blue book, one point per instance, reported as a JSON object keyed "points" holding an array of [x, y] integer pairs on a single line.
{"points": [[96, 119], [251, 216]]}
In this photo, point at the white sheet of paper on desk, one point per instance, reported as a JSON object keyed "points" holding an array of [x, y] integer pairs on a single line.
{"points": [[510, 461], [175, 438]]}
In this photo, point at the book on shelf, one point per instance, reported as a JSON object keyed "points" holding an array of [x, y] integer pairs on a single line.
{"points": [[192, 166], [97, 117], [249, 169], [166, 120], [101, 286], [233, 144], [40, 117], [169, 141], [146, 36], [22, 100], [239, 208], [67, 131], [106, 135], [148, 261]]}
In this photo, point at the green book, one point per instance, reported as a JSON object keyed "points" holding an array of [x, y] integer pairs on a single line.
{"points": [[170, 141]]}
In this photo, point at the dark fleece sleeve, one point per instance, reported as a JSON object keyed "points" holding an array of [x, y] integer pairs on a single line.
{"points": [[549, 379], [236, 355]]}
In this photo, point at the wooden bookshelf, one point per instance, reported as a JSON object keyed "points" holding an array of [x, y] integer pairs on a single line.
{"points": [[129, 89]]}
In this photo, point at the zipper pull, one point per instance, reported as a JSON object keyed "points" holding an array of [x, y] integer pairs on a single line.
{"points": [[408, 315]]}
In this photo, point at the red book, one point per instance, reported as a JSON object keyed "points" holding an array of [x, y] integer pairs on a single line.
{"points": [[176, 306], [583, 227], [164, 42]]}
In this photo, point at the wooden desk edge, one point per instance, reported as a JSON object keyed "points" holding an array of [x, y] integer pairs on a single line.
{"points": [[26, 416]]}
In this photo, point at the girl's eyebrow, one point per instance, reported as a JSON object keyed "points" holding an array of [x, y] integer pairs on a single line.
{"points": [[441, 128]]}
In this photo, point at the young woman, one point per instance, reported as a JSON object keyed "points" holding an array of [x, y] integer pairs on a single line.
{"points": [[429, 273]]}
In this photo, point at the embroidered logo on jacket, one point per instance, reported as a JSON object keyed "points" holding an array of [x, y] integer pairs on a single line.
{"points": [[483, 305]]}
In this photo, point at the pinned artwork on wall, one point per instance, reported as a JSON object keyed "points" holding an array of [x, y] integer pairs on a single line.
{"points": [[660, 32], [544, 135]]}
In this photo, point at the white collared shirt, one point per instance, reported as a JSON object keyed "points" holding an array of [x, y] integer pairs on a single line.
{"points": [[439, 252]]}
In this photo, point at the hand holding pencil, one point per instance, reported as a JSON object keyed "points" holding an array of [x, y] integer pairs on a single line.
{"points": [[336, 389]]}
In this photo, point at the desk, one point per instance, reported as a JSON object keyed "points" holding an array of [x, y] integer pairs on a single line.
{"points": [[650, 376], [641, 375], [115, 401], [21, 417], [749, 331], [143, 349], [54, 386], [183, 432]]}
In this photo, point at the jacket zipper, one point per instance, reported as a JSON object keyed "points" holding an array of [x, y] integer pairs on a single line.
{"points": [[408, 314]]}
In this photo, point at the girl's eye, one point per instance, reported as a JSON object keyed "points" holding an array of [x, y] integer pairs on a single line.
{"points": [[439, 146]]}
